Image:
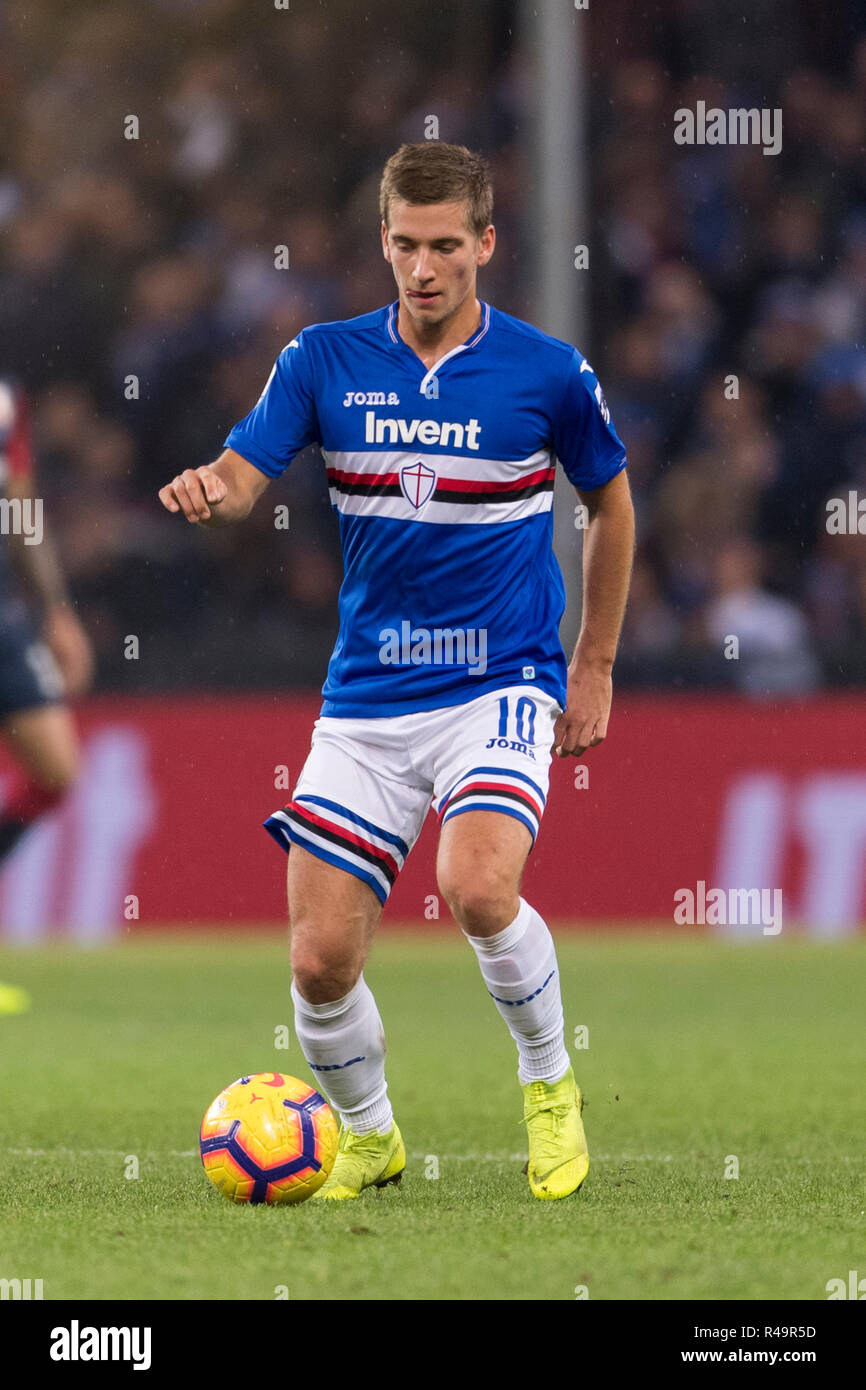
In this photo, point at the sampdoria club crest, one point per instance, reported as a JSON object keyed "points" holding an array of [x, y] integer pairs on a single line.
{"points": [[417, 482]]}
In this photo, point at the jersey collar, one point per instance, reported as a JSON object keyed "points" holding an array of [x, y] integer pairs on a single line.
{"points": [[430, 373], [394, 336]]}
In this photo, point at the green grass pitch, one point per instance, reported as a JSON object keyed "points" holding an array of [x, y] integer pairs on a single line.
{"points": [[698, 1050]]}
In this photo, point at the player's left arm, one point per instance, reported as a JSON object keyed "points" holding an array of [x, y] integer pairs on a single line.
{"points": [[38, 565], [608, 549]]}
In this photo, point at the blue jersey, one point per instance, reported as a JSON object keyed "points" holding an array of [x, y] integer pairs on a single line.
{"points": [[443, 483]]}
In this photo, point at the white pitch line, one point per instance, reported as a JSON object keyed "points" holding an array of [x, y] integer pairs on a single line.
{"points": [[105, 1153], [421, 1155], [631, 1158]]}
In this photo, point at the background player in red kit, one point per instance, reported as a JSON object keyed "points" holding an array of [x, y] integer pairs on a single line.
{"points": [[45, 655]]}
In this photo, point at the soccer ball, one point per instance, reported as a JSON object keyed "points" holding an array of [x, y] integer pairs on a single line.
{"points": [[268, 1138]]}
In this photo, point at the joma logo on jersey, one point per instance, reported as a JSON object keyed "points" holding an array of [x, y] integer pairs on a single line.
{"points": [[371, 398], [389, 431]]}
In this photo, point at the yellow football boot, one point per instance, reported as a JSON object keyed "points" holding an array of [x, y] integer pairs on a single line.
{"points": [[558, 1158], [363, 1160]]}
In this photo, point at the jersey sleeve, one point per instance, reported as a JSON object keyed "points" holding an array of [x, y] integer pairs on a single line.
{"points": [[584, 439], [16, 449], [283, 420]]}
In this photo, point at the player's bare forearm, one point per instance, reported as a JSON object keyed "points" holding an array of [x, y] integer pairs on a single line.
{"points": [[608, 549], [216, 494]]}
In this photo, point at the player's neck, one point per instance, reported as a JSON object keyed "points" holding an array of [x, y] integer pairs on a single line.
{"points": [[431, 345]]}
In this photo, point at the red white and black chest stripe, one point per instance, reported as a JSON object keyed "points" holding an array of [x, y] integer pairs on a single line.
{"points": [[440, 488]]}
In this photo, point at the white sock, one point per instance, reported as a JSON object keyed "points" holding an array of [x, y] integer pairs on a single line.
{"points": [[519, 968], [344, 1044]]}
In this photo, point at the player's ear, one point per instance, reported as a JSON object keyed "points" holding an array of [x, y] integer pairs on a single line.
{"points": [[486, 244], [386, 250]]}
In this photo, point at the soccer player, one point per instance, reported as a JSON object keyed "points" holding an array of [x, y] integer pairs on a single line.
{"points": [[45, 655], [440, 419]]}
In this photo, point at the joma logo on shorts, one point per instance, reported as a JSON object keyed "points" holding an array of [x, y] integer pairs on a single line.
{"points": [[511, 743]]}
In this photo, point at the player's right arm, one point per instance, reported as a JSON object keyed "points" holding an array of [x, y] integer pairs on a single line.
{"points": [[216, 494], [282, 422]]}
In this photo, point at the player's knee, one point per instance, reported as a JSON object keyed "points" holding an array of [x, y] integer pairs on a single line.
{"points": [[478, 902], [321, 976]]}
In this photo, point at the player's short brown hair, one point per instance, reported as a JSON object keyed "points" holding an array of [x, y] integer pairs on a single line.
{"points": [[434, 172]]}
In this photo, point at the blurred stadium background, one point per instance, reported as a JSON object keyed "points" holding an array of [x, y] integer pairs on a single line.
{"points": [[696, 1054], [155, 257]]}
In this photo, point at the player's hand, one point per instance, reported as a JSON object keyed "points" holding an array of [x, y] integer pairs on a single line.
{"points": [[583, 724], [70, 647], [194, 492]]}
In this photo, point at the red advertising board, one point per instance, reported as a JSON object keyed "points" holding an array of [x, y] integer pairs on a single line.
{"points": [[686, 797]]}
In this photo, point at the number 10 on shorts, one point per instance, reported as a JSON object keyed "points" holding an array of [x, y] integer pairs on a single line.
{"points": [[523, 721]]}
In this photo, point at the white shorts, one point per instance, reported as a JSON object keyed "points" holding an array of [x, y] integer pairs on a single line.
{"points": [[367, 784]]}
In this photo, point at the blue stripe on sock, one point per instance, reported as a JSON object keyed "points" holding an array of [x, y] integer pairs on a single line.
{"points": [[534, 995], [336, 1066]]}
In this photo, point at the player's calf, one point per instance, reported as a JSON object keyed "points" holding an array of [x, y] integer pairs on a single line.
{"points": [[332, 918], [337, 1023]]}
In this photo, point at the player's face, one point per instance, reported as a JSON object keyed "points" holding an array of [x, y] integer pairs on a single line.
{"points": [[435, 256]]}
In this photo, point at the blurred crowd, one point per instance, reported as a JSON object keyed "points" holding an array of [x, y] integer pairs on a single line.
{"points": [[734, 298], [141, 307]]}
